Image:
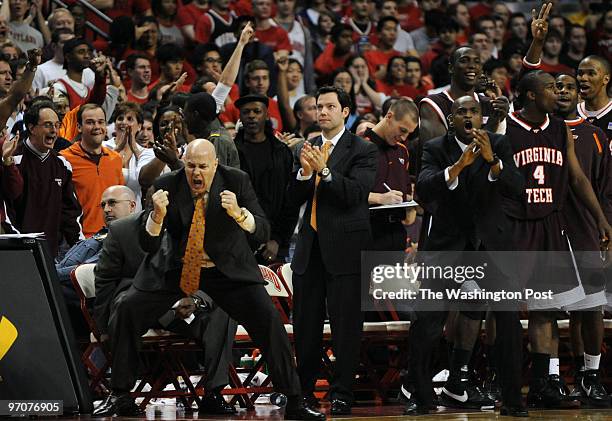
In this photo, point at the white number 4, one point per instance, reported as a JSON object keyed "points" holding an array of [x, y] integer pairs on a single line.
{"points": [[538, 174]]}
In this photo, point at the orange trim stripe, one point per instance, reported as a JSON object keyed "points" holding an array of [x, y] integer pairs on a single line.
{"points": [[599, 148]]}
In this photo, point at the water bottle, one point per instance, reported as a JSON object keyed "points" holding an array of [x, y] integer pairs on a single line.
{"points": [[362, 45]]}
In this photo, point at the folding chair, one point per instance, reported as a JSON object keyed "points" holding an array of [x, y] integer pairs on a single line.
{"points": [[95, 358], [166, 367], [242, 390]]}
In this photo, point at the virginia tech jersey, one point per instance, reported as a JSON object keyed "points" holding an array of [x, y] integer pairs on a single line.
{"points": [[594, 157], [540, 155], [442, 103], [600, 118]]}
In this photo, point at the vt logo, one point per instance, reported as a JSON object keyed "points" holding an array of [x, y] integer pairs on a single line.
{"points": [[8, 335]]}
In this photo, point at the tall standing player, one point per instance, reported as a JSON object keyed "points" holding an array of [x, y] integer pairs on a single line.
{"points": [[596, 107], [544, 153], [587, 324]]}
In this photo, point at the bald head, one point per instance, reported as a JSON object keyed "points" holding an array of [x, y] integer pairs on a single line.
{"points": [[464, 101], [200, 165], [117, 202]]}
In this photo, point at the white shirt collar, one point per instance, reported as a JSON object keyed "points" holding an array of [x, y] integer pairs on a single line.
{"points": [[36, 151], [334, 140], [462, 145]]}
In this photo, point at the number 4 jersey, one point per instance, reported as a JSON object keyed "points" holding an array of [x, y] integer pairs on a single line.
{"points": [[540, 155]]}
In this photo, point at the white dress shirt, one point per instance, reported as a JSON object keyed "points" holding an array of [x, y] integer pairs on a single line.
{"points": [[334, 141]]}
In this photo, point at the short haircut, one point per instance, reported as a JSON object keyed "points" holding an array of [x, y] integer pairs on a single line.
{"points": [[553, 33], [434, 17], [574, 26], [529, 82], [483, 19], [130, 62], [240, 20], [55, 35], [456, 54], [126, 107], [448, 23], [413, 59], [404, 106], [385, 19], [54, 15], [299, 105], [492, 64], [255, 65], [343, 97], [160, 114], [87, 107], [379, 4], [199, 53], [294, 61], [32, 114], [338, 29], [602, 62], [169, 53]]}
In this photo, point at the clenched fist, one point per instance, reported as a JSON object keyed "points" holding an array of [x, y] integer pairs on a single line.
{"points": [[160, 203]]}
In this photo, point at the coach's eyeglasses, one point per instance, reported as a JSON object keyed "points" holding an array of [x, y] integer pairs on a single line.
{"points": [[112, 203], [50, 126]]}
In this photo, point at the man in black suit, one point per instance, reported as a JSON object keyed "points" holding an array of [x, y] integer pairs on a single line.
{"points": [[463, 178], [119, 260], [196, 239], [327, 259]]}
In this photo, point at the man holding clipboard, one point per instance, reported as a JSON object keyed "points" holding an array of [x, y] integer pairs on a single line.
{"points": [[392, 186]]}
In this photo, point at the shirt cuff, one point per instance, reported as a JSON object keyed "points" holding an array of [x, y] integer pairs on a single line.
{"points": [[300, 177], [220, 93], [153, 228], [531, 65], [249, 223], [454, 184], [493, 178]]}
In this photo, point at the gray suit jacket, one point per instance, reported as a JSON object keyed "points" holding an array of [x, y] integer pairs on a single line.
{"points": [[119, 261]]}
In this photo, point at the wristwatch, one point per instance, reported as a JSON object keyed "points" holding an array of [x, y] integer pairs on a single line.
{"points": [[324, 172], [494, 161], [242, 217]]}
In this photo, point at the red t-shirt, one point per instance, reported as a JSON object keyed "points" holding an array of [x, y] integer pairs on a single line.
{"points": [[410, 17], [232, 114], [274, 37], [397, 90], [377, 58], [137, 100], [556, 69], [326, 63], [188, 15]]}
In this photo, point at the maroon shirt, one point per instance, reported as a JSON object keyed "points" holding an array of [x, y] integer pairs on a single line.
{"points": [[392, 167], [595, 160]]}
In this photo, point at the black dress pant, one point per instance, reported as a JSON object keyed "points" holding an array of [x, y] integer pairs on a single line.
{"points": [[248, 304], [425, 333], [311, 292]]}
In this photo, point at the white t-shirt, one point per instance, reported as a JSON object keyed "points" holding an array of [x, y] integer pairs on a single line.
{"points": [[51, 71], [24, 36], [80, 88]]}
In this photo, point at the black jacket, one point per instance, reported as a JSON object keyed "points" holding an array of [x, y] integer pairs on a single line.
{"points": [[472, 212], [224, 241], [119, 260], [343, 216], [271, 187]]}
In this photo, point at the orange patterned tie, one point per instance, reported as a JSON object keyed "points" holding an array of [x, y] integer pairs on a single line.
{"points": [[313, 213], [194, 252]]}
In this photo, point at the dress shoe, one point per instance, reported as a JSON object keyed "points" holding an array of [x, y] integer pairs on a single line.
{"points": [[514, 411], [302, 412], [340, 407], [214, 404], [311, 401], [118, 405]]}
